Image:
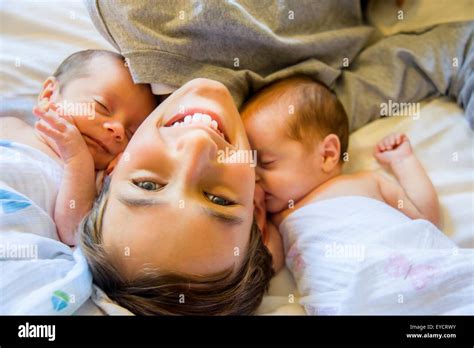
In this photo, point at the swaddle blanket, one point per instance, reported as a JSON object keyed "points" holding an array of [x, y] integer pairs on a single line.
{"points": [[357, 255], [38, 273]]}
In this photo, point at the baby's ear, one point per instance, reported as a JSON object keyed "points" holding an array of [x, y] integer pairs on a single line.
{"points": [[330, 149], [110, 168], [50, 88]]}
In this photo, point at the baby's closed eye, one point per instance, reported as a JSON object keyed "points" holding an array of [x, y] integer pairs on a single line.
{"points": [[267, 163]]}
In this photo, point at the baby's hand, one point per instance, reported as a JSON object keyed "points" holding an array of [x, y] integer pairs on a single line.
{"points": [[393, 148], [62, 131]]}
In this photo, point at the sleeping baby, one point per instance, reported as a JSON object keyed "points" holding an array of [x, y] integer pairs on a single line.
{"points": [[87, 112], [359, 243]]}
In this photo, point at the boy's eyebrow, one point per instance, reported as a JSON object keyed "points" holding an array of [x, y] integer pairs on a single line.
{"points": [[228, 219], [139, 202]]}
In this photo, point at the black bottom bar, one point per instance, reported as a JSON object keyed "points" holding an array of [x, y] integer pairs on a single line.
{"points": [[135, 331]]}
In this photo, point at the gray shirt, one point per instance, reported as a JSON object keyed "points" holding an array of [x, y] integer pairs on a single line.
{"points": [[247, 44]]}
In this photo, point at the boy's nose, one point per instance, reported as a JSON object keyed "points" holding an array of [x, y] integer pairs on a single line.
{"points": [[116, 129], [196, 153]]}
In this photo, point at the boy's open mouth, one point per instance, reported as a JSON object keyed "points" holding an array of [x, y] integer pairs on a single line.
{"points": [[201, 117]]}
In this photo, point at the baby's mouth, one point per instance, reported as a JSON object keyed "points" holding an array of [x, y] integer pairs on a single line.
{"points": [[97, 142], [268, 196]]}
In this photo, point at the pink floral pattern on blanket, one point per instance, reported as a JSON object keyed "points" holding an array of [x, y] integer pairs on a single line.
{"points": [[419, 275], [294, 260]]}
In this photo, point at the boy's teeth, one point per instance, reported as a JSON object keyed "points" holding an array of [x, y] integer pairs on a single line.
{"points": [[206, 119], [199, 118]]}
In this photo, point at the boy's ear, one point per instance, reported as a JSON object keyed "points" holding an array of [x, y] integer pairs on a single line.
{"points": [[50, 88], [330, 149]]}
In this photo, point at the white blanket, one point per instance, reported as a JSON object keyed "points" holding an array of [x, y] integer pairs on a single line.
{"points": [[357, 255], [38, 273], [37, 35]]}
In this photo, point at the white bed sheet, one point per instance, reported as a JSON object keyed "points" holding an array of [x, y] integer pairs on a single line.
{"points": [[35, 36]]}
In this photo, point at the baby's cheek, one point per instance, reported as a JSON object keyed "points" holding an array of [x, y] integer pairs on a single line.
{"points": [[92, 127], [278, 183], [121, 148]]}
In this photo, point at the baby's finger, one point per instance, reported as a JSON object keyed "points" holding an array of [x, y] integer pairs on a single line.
{"points": [[37, 111], [47, 130], [403, 138], [393, 140], [45, 105], [396, 140], [40, 109], [68, 119], [54, 121], [54, 107]]}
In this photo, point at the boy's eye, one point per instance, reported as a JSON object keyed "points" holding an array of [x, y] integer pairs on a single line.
{"points": [[219, 200], [147, 185]]}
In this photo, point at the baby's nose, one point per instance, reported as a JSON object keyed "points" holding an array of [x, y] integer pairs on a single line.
{"points": [[116, 130]]}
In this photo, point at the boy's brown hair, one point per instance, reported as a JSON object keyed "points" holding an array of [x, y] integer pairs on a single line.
{"points": [[154, 293], [313, 110]]}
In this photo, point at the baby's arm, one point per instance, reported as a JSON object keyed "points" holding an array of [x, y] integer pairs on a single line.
{"points": [[77, 191], [415, 195]]}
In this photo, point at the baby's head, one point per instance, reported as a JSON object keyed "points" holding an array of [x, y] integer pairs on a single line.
{"points": [[175, 231], [300, 131], [95, 88]]}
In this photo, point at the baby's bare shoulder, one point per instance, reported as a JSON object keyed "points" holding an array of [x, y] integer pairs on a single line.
{"points": [[359, 178], [10, 126], [359, 184]]}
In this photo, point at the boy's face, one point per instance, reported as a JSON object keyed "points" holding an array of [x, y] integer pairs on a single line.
{"points": [[105, 105], [286, 170], [195, 210]]}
